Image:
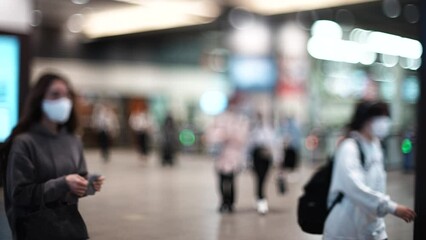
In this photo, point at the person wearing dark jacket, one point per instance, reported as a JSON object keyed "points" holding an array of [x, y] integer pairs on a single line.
{"points": [[169, 141], [42, 160]]}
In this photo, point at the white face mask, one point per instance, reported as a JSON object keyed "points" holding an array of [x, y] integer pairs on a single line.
{"points": [[380, 127], [57, 110]]}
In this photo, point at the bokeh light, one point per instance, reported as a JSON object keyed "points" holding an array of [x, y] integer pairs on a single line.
{"points": [[213, 102], [37, 17], [411, 13], [391, 8], [187, 137], [75, 23], [406, 146]]}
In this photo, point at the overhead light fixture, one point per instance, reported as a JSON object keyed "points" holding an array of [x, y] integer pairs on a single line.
{"points": [[155, 15], [138, 2], [80, 2], [273, 7], [254, 39], [326, 28], [394, 45], [327, 44]]}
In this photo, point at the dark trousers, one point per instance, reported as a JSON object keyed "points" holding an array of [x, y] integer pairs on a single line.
{"points": [[104, 144], [143, 142], [261, 165], [167, 155], [291, 158], [227, 189]]}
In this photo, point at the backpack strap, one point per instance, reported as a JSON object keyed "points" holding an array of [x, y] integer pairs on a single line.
{"points": [[361, 153], [337, 200], [340, 196]]}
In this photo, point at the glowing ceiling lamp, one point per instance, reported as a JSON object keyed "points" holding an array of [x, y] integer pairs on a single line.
{"points": [[328, 29], [252, 39], [155, 15], [273, 7], [363, 46]]}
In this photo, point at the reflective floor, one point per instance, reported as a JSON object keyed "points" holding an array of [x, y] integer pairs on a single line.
{"points": [[147, 201]]}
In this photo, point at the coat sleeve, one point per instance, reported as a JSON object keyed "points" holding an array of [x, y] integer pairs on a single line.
{"points": [[82, 166], [350, 173], [21, 178]]}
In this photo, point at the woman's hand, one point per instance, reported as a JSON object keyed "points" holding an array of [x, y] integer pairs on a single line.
{"points": [[98, 183], [77, 184], [405, 213]]}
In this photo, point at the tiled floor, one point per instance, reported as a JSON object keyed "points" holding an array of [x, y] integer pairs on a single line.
{"points": [[147, 201]]}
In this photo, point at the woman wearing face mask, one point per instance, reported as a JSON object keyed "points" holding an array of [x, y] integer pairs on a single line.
{"points": [[42, 160], [359, 215]]}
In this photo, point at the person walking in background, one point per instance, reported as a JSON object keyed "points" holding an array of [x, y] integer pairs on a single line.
{"points": [[292, 140], [42, 161], [106, 125], [169, 141], [359, 214], [227, 137], [142, 125], [263, 151]]}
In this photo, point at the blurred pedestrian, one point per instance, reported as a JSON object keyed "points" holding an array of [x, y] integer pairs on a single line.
{"points": [[359, 214], [263, 153], [169, 141], [227, 137], [105, 123], [43, 165], [291, 139], [141, 124]]}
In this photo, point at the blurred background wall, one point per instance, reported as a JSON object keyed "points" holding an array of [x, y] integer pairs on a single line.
{"points": [[310, 61]]}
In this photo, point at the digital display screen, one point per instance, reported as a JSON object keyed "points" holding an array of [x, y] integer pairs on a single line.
{"points": [[9, 84], [411, 89], [253, 73]]}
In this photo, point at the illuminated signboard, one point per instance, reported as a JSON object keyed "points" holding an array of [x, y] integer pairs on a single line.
{"points": [[9, 84], [253, 73]]}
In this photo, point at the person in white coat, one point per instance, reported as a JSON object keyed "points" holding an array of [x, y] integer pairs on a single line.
{"points": [[142, 125], [105, 123], [359, 215], [263, 150]]}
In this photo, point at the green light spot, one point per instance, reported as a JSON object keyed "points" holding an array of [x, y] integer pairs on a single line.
{"points": [[187, 137], [406, 146]]}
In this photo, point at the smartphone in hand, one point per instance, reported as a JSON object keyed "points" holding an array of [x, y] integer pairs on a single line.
{"points": [[90, 187]]}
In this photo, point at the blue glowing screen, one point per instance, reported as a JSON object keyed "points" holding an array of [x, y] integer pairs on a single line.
{"points": [[9, 84]]}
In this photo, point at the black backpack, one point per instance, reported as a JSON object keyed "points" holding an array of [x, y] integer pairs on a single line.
{"points": [[312, 210]]}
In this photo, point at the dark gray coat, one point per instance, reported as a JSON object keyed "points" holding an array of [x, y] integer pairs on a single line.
{"points": [[38, 161]]}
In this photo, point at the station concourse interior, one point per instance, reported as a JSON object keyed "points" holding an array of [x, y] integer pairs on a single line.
{"points": [[303, 62]]}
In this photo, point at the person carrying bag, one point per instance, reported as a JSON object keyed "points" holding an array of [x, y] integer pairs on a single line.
{"points": [[360, 213]]}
